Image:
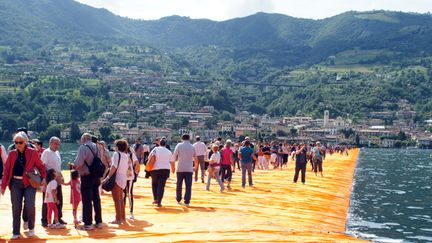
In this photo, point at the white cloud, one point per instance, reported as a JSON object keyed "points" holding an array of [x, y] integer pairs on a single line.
{"points": [[227, 9]]}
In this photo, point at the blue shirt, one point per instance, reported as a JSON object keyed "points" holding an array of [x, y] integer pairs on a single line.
{"points": [[246, 153]]}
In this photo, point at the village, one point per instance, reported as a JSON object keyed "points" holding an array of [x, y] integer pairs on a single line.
{"points": [[132, 122]]}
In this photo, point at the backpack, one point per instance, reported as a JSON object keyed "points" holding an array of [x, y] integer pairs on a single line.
{"points": [[97, 168]]}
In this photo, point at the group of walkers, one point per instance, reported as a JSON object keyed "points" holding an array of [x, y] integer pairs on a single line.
{"points": [[25, 161]]}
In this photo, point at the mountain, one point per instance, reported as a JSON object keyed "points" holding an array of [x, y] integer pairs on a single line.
{"points": [[29, 21]]}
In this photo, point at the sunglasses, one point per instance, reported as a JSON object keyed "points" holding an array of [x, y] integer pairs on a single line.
{"points": [[19, 143]]}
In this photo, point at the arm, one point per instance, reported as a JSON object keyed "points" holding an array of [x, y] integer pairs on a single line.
{"points": [[3, 154], [79, 160], [40, 165], [6, 174]]}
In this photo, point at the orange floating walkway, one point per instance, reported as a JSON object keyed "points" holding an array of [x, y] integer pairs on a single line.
{"points": [[275, 210]]}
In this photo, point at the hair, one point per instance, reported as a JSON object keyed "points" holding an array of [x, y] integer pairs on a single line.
{"points": [[94, 139], [37, 141], [198, 138], [228, 143], [22, 135], [247, 143], [52, 139], [75, 175], [86, 137], [163, 142], [215, 147], [121, 145], [51, 175], [185, 137], [219, 139]]}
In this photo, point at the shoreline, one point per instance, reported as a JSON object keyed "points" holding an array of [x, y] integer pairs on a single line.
{"points": [[275, 209]]}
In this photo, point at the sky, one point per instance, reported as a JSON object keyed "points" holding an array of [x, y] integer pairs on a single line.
{"points": [[220, 10]]}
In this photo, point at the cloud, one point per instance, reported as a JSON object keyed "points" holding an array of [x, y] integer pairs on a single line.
{"points": [[227, 9]]}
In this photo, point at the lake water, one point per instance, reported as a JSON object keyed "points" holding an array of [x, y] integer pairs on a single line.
{"points": [[392, 196]]}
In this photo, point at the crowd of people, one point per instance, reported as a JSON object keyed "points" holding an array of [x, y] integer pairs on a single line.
{"points": [[26, 167]]}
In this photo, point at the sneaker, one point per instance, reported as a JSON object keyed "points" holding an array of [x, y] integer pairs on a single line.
{"points": [[159, 205], [25, 225], [59, 226], [187, 204], [45, 225], [15, 237], [61, 221], [131, 217], [202, 180], [31, 234], [179, 203], [86, 227], [222, 189], [99, 226]]}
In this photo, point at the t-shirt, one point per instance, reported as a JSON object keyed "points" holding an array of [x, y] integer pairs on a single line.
{"points": [[185, 154], [130, 172], [226, 156], [49, 196], [316, 152], [215, 160], [246, 153], [200, 148], [51, 160], [163, 158], [122, 168]]}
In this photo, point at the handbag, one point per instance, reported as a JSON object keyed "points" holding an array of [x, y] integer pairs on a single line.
{"points": [[110, 183], [150, 163], [34, 178]]}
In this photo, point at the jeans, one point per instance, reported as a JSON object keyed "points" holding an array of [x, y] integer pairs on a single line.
{"points": [[18, 193], [247, 167], [226, 171], [117, 195], [59, 206], [214, 172], [201, 164], [128, 193], [187, 178], [159, 178], [300, 167], [90, 199]]}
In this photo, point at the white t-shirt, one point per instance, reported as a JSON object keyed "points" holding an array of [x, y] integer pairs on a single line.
{"points": [[51, 160], [215, 158], [146, 148], [49, 196], [163, 158], [200, 148], [130, 172], [122, 168]]}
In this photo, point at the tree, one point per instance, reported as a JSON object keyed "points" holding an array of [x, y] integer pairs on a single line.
{"points": [[75, 132], [105, 133], [52, 131]]}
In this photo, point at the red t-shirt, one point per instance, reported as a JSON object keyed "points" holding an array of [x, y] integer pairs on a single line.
{"points": [[226, 154]]}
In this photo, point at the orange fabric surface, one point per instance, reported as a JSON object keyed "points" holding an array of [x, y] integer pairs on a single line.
{"points": [[274, 210]]}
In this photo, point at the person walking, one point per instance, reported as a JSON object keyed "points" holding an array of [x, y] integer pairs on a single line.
{"points": [[246, 155], [201, 151], [301, 162], [52, 161], [132, 176], [214, 168], [89, 183], [120, 165], [317, 159], [21, 161], [185, 155], [227, 159], [160, 172]]}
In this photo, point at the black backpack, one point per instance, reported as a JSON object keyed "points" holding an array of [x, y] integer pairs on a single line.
{"points": [[97, 168]]}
